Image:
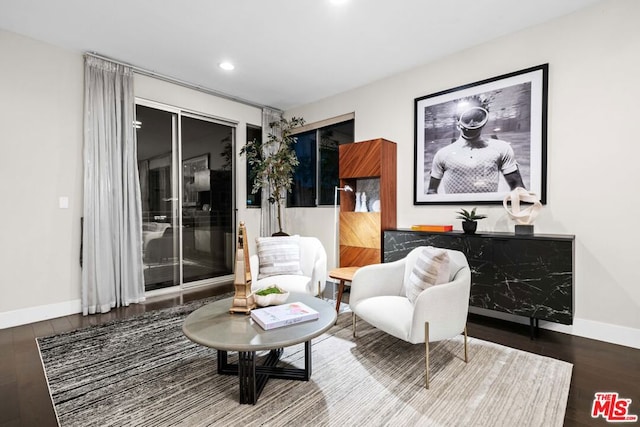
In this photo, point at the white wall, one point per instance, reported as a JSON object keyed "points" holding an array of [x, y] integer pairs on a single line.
{"points": [[41, 128], [592, 152], [41, 96]]}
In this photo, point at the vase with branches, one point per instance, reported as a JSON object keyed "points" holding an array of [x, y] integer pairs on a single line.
{"points": [[273, 162]]}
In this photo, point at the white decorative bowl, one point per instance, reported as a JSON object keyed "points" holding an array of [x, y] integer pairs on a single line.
{"points": [[271, 299]]}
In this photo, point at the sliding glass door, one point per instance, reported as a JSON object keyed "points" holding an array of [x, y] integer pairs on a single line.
{"points": [[207, 201], [185, 164], [157, 136]]}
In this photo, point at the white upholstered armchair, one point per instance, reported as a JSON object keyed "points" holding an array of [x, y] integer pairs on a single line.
{"points": [[294, 263], [421, 298]]}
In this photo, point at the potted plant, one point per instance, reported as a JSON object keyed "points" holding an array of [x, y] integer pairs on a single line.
{"points": [[469, 220], [273, 162], [271, 295]]}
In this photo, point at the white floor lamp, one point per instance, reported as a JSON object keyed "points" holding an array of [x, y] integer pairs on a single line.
{"points": [[335, 221]]}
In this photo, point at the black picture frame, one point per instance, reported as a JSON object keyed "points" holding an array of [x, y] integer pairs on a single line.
{"points": [[517, 118]]}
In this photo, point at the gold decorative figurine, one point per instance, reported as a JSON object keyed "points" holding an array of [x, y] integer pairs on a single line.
{"points": [[243, 300]]}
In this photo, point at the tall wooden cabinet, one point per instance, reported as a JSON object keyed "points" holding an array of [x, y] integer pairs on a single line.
{"points": [[367, 167]]}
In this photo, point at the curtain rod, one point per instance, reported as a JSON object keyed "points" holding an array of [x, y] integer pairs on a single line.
{"points": [[149, 73]]}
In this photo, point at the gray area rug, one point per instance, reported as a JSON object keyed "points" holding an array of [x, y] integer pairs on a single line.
{"points": [[144, 372]]}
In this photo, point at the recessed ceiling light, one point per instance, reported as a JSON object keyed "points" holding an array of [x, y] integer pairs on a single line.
{"points": [[228, 66]]}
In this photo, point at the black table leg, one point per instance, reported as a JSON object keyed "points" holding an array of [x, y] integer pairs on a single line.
{"points": [[247, 377], [253, 378], [307, 360], [224, 368]]}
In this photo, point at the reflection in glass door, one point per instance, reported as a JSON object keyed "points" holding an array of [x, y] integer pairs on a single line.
{"points": [[187, 210], [207, 208], [156, 138]]}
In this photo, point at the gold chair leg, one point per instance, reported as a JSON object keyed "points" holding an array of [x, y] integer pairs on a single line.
{"points": [[353, 324], [426, 350], [426, 353], [466, 358]]}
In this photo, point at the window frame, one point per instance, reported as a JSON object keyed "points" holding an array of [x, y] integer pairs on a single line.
{"points": [[318, 128]]}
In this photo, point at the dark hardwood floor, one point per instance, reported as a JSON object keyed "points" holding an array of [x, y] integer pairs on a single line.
{"points": [[598, 366]]}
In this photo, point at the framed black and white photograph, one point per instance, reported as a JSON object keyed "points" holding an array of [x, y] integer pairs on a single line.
{"points": [[476, 143]]}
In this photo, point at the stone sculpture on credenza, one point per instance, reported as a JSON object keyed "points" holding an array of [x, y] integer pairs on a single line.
{"points": [[523, 217]]}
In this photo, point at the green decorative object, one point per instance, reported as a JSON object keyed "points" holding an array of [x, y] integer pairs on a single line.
{"points": [[274, 162], [270, 290], [469, 220], [271, 295]]}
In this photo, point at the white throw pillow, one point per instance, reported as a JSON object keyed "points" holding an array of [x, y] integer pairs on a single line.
{"points": [[431, 268], [278, 255]]}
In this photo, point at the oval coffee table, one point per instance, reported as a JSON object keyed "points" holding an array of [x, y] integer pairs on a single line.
{"points": [[214, 326]]}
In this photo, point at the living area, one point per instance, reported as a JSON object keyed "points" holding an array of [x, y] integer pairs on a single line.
{"points": [[592, 60]]}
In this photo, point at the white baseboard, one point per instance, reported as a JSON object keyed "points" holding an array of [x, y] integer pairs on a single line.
{"points": [[23, 316], [606, 332], [39, 313], [613, 334]]}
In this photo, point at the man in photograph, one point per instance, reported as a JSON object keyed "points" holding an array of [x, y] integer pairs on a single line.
{"points": [[473, 163]]}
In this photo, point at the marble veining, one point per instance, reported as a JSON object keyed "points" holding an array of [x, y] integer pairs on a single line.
{"points": [[528, 276]]}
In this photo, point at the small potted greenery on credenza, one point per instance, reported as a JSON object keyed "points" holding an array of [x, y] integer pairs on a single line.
{"points": [[469, 220]]}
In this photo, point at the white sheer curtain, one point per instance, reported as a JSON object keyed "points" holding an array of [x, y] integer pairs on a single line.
{"points": [[268, 211], [112, 273]]}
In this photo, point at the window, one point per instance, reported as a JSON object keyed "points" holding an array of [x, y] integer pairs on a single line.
{"points": [[303, 190], [317, 174], [253, 200]]}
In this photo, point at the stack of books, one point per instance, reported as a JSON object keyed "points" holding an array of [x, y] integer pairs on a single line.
{"points": [[426, 227], [283, 315]]}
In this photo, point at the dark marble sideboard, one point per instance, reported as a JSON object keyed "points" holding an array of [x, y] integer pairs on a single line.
{"points": [[529, 276]]}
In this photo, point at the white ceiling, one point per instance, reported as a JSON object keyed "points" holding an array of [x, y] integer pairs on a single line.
{"points": [[286, 52]]}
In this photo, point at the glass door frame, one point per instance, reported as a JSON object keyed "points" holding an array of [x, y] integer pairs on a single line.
{"points": [[177, 188]]}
